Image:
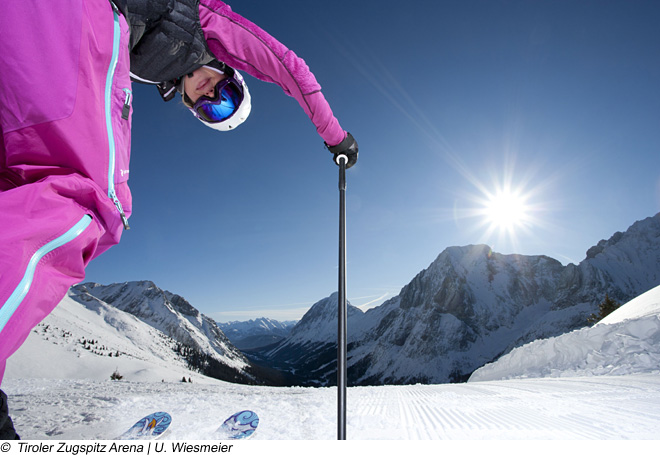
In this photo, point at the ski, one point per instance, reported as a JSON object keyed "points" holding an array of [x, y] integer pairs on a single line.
{"points": [[241, 425], [152, 426]]}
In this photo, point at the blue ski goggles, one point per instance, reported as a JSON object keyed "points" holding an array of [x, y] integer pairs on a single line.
{"points": [[227, 97]]}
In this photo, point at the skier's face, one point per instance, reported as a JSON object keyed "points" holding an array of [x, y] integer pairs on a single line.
{"points": [[201, 82]]}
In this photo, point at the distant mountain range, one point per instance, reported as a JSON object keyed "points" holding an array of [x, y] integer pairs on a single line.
{"points": [[468, 308], [256, 333]]}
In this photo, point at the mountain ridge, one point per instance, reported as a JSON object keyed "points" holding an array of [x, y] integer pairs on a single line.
{"points": [[200, 342], [469, 307]]}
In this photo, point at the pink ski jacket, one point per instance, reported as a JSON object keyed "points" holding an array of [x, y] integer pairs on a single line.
{"points": [[64, 152], [65, 123]]}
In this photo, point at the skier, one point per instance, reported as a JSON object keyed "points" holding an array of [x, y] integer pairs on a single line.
{"points": [[65, 117]]}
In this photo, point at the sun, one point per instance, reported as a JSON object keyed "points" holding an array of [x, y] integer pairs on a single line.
{"points": [[506, 209], [505, 215]]}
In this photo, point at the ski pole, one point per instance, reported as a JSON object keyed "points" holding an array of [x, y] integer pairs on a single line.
{"points": [[342, 160]]}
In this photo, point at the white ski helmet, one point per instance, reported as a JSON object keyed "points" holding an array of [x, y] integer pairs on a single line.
{"points": [[230, 104]]}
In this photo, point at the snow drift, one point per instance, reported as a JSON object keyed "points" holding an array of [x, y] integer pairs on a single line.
{"points": [[625, 342]]}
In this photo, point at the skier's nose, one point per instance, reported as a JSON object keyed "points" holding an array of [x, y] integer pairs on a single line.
{"points": [[211, 92]]}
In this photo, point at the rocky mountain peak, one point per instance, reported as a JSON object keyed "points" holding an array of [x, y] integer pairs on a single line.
{"points": [[470, 306]]}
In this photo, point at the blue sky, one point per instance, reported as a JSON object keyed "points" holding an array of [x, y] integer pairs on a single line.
{"points": [[553, 103]]}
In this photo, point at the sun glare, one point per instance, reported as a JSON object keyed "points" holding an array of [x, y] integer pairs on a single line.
{"points": [[505, 214], [506, 210], [508, 207]]}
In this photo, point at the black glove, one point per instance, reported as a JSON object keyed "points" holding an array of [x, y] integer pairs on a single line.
{"points": [[347, 147]]}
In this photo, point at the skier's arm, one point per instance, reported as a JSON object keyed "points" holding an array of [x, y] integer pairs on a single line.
{"points": [[246, 47]]}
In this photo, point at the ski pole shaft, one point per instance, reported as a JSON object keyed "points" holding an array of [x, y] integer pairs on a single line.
{"points": [[342, 316]]}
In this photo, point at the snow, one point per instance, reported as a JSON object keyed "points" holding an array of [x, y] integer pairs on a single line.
{"points": [[166, 312], [625, 342], [626, 407], [599, 383], [55, 349]]}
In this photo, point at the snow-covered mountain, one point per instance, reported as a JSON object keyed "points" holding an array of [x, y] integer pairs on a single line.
{"points": [[600, 382], [310, 350], [183, 337], [86, 338], [256, 333], [604, 385], [138, 330], [469, 307], [202, 342]]}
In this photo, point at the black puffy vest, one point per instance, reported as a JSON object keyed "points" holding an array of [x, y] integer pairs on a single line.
{"points": [[167, 41]]}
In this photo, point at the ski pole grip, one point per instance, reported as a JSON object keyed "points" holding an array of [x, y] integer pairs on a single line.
{"points": [[347, 148], [341, 157]]}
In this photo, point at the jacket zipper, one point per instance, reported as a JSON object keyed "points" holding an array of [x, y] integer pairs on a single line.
{"points": [[108, 117], [126, 110], [16, 298]]}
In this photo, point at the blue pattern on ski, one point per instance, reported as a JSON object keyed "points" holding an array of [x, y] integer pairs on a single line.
{"points": [[150, 427], [240, 426]]}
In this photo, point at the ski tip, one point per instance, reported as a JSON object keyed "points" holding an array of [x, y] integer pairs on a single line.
{"points": [[151, 426], [241, 425]]}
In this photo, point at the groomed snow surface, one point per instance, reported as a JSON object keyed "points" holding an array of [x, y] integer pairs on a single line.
{"points": [[598, 383], [606, 407]]}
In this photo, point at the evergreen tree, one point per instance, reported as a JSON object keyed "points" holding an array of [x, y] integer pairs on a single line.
{"points": [[606, 307]]}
